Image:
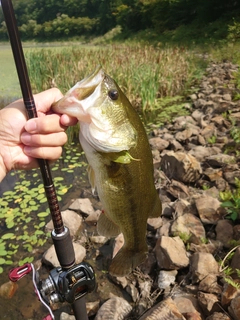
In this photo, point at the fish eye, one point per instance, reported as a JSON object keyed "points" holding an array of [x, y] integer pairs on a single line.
{"points": [[113, 94]]}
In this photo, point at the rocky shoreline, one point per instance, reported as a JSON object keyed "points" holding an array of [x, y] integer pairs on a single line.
{"points": [[195, 158]]}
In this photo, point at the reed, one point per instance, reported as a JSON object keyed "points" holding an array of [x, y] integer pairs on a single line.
{"points": [[146, 74]]}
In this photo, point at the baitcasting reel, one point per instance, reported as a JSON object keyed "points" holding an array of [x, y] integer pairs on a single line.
{"points": [[61, 285]]}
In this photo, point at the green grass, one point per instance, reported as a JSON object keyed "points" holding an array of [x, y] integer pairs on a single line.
{"points": [[9, 84]]}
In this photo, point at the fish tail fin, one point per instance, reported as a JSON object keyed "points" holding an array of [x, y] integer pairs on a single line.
{"points": [[126, 261]]}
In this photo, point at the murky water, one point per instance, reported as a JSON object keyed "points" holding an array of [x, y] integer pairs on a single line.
{"points": [[24, 304]]}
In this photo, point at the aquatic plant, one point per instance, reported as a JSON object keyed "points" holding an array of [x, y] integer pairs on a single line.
{"points": [[24, 210]]}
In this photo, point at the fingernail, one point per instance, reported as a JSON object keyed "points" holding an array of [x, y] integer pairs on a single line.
{"points": [[27, 150], [31, 125], [26, 138]]}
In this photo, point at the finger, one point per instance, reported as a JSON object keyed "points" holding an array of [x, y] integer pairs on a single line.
{"points": [[43, 125], [68, 121], [45, 99], [48, 153], [41, 140]]}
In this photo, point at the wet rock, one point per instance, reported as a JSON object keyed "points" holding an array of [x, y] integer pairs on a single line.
{"points": [[188, 225], [201, 265], [114, 309], [166, 310], [50, 257], [171, 253], [209, 209], [181, 166], [224, 232], [71, 220]]}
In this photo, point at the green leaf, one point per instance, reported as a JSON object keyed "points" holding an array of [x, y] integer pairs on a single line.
{"points": [[9, 235], [42, 214], [2, 261]]}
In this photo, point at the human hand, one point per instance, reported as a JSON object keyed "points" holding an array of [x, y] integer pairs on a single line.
{"points": [[22, 140]]}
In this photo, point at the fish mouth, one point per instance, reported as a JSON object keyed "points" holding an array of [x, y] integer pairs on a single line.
{"points": [[84, 88]]}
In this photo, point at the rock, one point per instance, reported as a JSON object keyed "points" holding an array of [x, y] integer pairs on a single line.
{"points": [[65, 316], [181, 166], [212, 247], [218, 316], [235, 263], [209, 284], [236, 232], [171, 253], [209, 303], [229, 292], [114, 309], [166, 278], [213, 174], [8, 289], [201, 265], [190, 226], [202, 153], [165, 309], [224, 232], [98, 239], [183, 135], [219, 160], [231, 176], [82, 206], [158, 143], [92, 307], [71, 220], [50, 257], [209, 209], [177, 189], [234, 308], [154, 223], [187, 304]]}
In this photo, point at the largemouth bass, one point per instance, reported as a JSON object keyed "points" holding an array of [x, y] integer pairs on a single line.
{"points": [[120, 164]]}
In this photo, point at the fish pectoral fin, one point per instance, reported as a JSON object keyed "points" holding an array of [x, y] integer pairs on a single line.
{"points": [[123, 157], [157, 209], [91, 178], [106, 227], [126, 261]]}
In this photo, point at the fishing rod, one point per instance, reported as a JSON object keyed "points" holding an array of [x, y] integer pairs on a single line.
{"points": [[71, 281]]}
